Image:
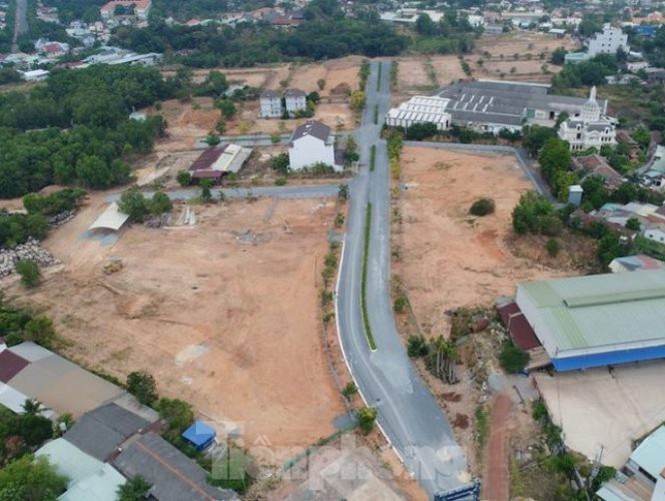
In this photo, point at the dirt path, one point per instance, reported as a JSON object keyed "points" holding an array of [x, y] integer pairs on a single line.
{"points": [[496, 482], [20, 22]]}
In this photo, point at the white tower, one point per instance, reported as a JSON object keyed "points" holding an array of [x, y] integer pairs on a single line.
{"points": [[591, 109]]}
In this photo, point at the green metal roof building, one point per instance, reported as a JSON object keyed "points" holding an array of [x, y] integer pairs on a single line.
{"points": [[597, 320]]}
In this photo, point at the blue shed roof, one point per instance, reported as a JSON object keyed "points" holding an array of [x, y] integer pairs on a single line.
{"points": [[199, 433]]}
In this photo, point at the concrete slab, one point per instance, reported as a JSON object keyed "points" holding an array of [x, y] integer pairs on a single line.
{"points": [[597, 409]]}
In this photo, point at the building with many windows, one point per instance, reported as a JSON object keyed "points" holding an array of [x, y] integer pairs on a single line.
{"points": [[609, 41]]}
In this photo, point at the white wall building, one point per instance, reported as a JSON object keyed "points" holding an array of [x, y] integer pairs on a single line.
{"points": [[271, 104], [589, 128], [420, 109], [296, 100], [609, 41], [311, 143]]}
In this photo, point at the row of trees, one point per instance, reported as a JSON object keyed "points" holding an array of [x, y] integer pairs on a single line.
{"points": [[138, 207]]}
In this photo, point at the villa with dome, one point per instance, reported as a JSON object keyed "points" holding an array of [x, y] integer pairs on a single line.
{"points": [[495, 105], [588, 128]]}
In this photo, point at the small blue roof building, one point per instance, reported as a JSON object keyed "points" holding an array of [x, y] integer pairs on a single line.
{"points": [[646, 30], [200, 435]]}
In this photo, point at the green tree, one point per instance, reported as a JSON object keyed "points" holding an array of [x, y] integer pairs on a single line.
{"points": [[227, 108], [554, 157], [212, 139], [40, 330], [357, 102], [160, 203], [609, 248], [534, 214], [633, 224], [280, 163], [178, 414], [366, 418], [29, 272], [142, 385], [558, 56], [343, 192], [552, 247], [482, 207], [512, 358], [184, 178], [133, 203], [535, 137], [206, 194], [135, 489], [31, 479]]}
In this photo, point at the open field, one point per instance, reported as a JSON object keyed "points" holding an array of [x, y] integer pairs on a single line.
{"points": [[522, 43], [597, 409], [224, 314], [415, 73], [450, 258]]}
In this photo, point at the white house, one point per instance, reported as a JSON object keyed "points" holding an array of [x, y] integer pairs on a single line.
{"points": [[296, 100], [588, 128], [141, 8], [271, 104], [311, 143], [609, 41]]}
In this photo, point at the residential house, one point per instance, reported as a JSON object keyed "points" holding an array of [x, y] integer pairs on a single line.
{"points": [[174, 476], [588, 128], [595, 165], [609, 41], [216, 162], [118, 8], [639, 262], [643, 476], [311, 143], [88, 478], [271, 104], [296, 100]]}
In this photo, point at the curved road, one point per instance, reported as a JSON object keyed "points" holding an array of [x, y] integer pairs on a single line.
{"points": [[408, 414]]}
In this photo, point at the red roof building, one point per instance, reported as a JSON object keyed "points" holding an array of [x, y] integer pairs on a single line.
{"points": [[519, 329]]}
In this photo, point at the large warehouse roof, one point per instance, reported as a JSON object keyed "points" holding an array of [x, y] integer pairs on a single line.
{"points": [[595, 315]]}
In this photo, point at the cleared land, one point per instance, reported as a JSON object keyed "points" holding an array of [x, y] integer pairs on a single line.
{"points": [[450, 258], [224, 315], [597, 409]]}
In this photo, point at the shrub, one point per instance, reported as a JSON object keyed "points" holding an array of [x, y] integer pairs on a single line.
{"points": [[280, 163], [366, 419], [178, 414], [350, 389], [280, 181], [142, 385], [482, 207], [184, 178], [399, 304], [552, 247], [417, 347], [512, 358], [29, 272]]}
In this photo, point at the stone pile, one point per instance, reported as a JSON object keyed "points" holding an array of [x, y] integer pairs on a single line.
{"points": [[30, 250], [61, 218]]}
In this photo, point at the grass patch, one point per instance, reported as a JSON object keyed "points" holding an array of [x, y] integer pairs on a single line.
{"points": [[372, 158], [378, 80], [363, 285], [376, 113], [394, 73], [482, 426]]}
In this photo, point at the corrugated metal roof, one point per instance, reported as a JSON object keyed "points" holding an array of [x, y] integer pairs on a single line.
{"points": [[601, 311], [650, 454], [12, 398], [102, 485], [30, 351], [69, 460]]}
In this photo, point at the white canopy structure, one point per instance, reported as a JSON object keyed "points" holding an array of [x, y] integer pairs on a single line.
{"points": [[110, 219]]}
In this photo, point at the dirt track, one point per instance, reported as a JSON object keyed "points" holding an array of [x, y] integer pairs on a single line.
{"points": [[496, 481], [224, 315]]}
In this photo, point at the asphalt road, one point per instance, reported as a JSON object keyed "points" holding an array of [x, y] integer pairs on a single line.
{"points": [[20, 22], [408, 414]]}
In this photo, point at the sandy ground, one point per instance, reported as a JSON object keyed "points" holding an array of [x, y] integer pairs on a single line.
{"points": [[225, 319], [597, 410], [450, 258], [522, 43]]}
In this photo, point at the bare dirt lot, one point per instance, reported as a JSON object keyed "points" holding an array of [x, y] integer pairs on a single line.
{"points": [[422, 74], [517, 56], [224, 315], [450, 258]]}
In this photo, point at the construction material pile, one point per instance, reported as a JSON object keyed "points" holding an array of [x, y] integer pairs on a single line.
{"points": [[30, 250]]}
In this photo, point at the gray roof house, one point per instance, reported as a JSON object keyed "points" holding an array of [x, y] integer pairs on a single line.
{"points": [[174, 476], [101, 431]]}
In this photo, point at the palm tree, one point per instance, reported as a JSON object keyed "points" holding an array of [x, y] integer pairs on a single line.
{"points": [[32, 407]]}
